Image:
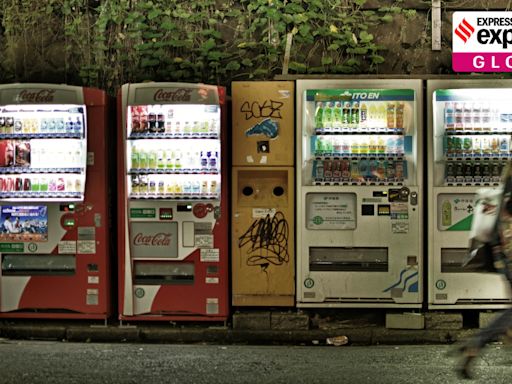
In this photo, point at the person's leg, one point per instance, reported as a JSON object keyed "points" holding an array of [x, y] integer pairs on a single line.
{"points": [[498, 327]]}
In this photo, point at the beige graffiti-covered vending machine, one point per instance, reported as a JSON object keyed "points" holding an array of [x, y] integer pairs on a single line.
{"points": [[262, 222]]}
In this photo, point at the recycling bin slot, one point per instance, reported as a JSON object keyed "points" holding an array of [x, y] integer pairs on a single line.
{"points": [[262, 187]]}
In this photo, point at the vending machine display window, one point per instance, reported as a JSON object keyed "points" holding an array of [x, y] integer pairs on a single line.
{"points": [[43, 152], [472, 139], [357, 141], [174, 153]]}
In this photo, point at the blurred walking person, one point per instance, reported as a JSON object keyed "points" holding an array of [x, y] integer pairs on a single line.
{"points": [[501, 251]]}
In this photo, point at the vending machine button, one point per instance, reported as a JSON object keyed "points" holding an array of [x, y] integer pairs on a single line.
{"points": [[414, 198], [68, 222], [200, 210]]}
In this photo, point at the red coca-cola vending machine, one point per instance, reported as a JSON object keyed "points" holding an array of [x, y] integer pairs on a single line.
{"points": [[54, 219], [172, 202]]}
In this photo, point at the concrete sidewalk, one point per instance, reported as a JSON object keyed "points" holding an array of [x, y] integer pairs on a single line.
{"points": [[254, 328]]}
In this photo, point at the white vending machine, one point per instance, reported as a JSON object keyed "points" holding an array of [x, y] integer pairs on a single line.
{"points": [[359, 193], [469, 131]]}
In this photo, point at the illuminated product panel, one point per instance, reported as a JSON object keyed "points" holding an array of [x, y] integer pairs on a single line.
{"points": [[42, 152], [172, 157]]}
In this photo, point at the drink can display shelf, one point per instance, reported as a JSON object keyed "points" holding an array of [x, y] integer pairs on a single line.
{"points": [[150, 135], [358, 183], [179, 171], [359, 131], [477, 156], [453, 132], [484, 182], [174, 196], [41, 196], [361, 156], [41, 135], [20, 170]]}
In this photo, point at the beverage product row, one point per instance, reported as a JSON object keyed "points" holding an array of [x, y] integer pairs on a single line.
{"points": [[175, 186], [373, 170], [477, 145], [337, 116], [41, 154], [474, 171], [333, 145], [26, 120], [183, 156], [476, 116], [29, 185], [168, 121]]}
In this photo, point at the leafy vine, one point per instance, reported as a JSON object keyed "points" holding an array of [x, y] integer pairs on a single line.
{"points": [[107, 43]]}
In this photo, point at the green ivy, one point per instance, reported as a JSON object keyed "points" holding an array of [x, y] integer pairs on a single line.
{"points": [[107, 43]]}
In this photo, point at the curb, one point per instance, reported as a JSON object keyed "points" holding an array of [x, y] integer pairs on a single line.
{"points": [[221, 335]]}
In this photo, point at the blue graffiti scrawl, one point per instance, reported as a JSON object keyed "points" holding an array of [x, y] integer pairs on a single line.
{"points": [[403, 280], [267, 127]]}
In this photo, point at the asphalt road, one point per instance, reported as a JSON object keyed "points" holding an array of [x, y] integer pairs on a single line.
{"points": [[63, 362]]}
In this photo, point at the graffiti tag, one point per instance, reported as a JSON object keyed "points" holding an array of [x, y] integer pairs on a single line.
{"points": [[269, 108], [267, 239]]}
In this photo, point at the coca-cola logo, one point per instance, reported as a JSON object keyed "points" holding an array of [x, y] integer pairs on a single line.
{"points": [[178, 95], [41, 96], [155, 240]]}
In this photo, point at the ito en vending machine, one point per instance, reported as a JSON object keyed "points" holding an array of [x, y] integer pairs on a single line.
{"points": [[173, 214], [359, 200], [54, 202], [469, 131]]}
